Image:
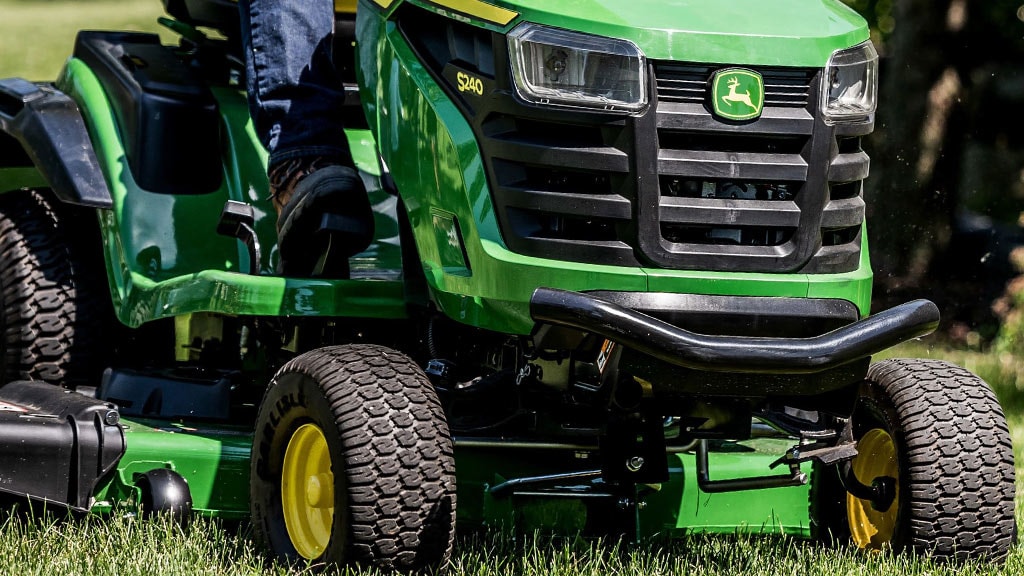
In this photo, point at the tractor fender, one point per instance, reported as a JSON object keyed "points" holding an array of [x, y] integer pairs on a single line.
{"points": [[49, 126]]}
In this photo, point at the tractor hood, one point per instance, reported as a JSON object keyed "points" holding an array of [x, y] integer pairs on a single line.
{"points": [[755, 32]]}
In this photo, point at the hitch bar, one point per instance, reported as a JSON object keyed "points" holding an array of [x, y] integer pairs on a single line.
{"points": [[734, 354]]}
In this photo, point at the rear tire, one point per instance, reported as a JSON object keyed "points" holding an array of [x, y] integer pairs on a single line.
{"points": [[54, 299], [939, 430], [352, 462]]}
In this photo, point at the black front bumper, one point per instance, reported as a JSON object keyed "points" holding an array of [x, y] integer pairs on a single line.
{"points": [[738, 365]]}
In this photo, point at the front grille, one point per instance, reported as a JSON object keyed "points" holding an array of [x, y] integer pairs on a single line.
{"points": [[751, 196], [675, 188]]}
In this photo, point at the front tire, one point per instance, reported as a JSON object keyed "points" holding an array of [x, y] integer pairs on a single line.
{"points": [[939, 431], [352, 462]]}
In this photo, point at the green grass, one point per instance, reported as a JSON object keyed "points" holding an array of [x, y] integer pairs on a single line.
{"points": [[35, 39], [128, 546], [37, 36]]}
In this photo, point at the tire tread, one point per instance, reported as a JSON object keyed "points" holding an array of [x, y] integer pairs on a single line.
{"points": [[959, 457], [392, 424], [52, 310]]}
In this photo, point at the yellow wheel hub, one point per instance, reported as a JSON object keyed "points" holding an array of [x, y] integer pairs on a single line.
{"points": [[876, 457], [307, 491]]}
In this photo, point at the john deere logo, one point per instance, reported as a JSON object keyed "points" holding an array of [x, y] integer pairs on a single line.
{"points": [[737, 94]]}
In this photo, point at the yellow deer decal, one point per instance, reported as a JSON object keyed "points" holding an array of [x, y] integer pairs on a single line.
{"points": [[732, 96]]}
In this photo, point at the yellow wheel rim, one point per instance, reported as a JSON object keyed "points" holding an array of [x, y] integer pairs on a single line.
{"points": [[876, 457], [307, 491]]}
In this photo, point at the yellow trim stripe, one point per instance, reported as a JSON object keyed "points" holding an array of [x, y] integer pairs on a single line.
{"points": [[345, 6], [385, 4], [478, 9]]}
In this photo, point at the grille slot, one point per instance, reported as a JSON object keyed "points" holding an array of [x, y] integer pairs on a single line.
{"points": [[844, 190], [839, 236], [729, 142], [759, 236]]}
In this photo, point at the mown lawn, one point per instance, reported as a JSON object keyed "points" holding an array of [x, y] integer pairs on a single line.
{"points": [[129, 546], [36, 37]]}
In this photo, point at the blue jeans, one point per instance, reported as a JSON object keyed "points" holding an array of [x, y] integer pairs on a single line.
{"points": [[295, 93]]}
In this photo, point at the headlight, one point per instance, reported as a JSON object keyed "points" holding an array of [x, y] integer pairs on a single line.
{"points": [[564, 68], [850, 85]]}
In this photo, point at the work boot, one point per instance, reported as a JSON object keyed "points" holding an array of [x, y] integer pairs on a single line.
{"points": [[302, 191]]}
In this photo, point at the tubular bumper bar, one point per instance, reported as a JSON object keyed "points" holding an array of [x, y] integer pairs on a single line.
{"points": [[734, 354]]}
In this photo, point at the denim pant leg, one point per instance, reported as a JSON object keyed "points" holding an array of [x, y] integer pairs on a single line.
{"points": [[295, 93]]}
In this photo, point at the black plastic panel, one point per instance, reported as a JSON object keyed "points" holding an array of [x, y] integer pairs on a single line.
{"points": [[41, 126], [55, 444], [166, 113], [193, 394], [217, 14]]}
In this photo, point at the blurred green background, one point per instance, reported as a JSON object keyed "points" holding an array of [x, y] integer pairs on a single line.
{"points": [[36, 36]]}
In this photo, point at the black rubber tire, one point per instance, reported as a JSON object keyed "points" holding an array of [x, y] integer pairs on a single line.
{"points": [[394, 497], [954, 454], [165, 492], [54, 299]]}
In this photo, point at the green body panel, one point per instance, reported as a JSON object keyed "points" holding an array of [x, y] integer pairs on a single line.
{"points": [[214, 460], [446, 182], [854, 286], [752, 32], [677, 506], [680, 507], [165, 259], [435, 162]]}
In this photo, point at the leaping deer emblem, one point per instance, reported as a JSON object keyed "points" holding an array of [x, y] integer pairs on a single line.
{"points": [[732, 96]]}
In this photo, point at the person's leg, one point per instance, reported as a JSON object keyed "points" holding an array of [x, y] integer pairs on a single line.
{"points": [[295, 95], [296, 99]]}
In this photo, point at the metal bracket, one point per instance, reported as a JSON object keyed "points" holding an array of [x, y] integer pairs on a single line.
{"points": [[706, 484], [818, 452], [238, 220]]}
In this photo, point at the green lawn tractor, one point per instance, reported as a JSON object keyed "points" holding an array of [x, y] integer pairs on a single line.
{"points": [[620, 286]]}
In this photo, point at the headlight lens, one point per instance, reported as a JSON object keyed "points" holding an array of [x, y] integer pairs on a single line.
{"points": [[850, 87], [563, 68]]}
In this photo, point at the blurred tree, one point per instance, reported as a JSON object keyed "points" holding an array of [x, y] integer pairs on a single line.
{"points": [[946, 182]]}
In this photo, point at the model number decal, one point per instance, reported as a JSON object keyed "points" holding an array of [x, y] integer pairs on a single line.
{"points": [[469, 83]]}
